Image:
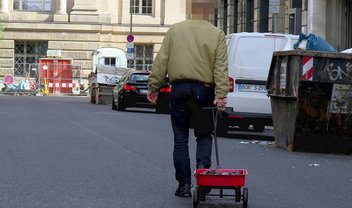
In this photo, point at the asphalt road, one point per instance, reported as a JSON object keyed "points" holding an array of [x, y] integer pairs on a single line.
{"points": [[63, 152]]}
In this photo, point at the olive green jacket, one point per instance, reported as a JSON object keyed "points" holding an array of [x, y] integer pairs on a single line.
{"points": [[192, 50]]}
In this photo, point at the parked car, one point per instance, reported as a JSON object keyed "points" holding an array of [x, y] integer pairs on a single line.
{"points": [[249, 59], [131, 91]]}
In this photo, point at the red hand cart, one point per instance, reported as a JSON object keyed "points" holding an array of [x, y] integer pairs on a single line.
{"points": [[217, 178]]}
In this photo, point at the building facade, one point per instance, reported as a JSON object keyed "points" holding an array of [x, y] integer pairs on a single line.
{"points": [[74, 29], [331, 19]]}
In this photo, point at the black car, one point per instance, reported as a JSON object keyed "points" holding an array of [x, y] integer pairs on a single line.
{"points": [[132, 89]]}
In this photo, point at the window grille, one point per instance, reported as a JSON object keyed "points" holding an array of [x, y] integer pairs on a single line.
{"points": [[27, 55], [141, 6], [143, 59]]}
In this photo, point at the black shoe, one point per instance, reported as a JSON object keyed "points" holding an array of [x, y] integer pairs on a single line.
{"points": [[201, 166], [204, 190], [183, 190]]}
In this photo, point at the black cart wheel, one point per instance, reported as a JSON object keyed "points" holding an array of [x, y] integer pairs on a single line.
{"points": [[238, 194], [113, 106], [195, 197], [245, 197]]}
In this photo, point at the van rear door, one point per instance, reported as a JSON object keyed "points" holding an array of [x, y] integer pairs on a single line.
{"points": [[284, 43], [252, 57], [249, 62]]}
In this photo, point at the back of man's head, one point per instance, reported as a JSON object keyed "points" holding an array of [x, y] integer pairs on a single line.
{"points": [[202, 9]]}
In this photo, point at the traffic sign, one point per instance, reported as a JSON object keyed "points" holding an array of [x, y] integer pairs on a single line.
{"points": [[130, 38], [130, 45], [130, 50], [8, 79], [129, 55], [274, 6]]}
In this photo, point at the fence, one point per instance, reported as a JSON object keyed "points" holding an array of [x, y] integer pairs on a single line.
{"points": [[49, 77]]}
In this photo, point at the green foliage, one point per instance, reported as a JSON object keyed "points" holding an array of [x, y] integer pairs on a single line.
{"points": [[2, 28]]}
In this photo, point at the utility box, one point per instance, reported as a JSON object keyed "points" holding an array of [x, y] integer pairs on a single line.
{"points": [[311, 100]]}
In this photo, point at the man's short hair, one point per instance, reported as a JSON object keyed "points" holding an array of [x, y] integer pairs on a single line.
{"points": [[202, 9]]}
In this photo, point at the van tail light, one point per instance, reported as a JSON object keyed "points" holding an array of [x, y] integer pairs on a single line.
{"points": [[165, 89], [231, 84], [128, 87]]}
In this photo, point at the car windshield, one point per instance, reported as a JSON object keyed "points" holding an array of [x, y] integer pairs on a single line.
{"points": [[139, 77]]}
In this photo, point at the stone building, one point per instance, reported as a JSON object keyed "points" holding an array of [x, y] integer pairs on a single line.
{"points": [[75, 28], [331, 19]]}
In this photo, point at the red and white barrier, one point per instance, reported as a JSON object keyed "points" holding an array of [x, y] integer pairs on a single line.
{"points": [[64, 85], [308, 68]]}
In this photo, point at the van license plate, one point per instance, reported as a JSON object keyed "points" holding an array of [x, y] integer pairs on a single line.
{"points": [[251, 88]]}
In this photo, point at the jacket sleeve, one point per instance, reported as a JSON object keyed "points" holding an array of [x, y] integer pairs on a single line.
{"points": [[159, 69], [220, 68]]}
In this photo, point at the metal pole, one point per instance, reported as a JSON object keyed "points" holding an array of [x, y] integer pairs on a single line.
{"points": [[129, 61], [215, 114], [275, 23], [131, 17]]}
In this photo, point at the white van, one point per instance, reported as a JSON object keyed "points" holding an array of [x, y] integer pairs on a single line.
{"points": [[249, 59]]}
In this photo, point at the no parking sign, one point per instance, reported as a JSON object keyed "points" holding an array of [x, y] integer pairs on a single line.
{"points": [[8, 79]]}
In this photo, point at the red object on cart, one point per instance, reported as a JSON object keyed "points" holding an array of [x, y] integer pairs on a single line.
{"points": [[221, 177]]}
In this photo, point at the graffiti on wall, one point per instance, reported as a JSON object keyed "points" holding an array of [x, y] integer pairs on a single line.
{"points": [[337, 72], [107, 78]]}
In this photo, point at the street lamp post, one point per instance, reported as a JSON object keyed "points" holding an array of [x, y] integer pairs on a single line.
{"points": [[130, 16], [129, 60]]}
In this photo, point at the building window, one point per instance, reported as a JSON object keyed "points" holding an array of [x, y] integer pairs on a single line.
{"points": [[32, 5], [27, 55], [141, 6], [110, 61], [143, 59]]}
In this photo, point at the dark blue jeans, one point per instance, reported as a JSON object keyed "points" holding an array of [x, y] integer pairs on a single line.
{"points": [[187, 100]]}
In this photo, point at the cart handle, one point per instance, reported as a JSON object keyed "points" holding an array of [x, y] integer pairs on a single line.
{"points": [[215, 114]]}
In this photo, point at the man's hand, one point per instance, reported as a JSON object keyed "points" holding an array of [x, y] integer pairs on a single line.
{"points": [[220, 103], [152, 96]]}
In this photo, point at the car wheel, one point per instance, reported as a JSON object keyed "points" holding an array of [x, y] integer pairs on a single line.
{"points": [[120, 107], [243, 126], [222, 128], [92, 96], [162, 109], [113, 106], [259, 127]]}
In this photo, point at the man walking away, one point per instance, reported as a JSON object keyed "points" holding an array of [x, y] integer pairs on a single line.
{"points": [[194, 57]]}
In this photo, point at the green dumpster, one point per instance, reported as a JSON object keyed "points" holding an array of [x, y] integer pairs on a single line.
{"points": [[311, 100]]}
